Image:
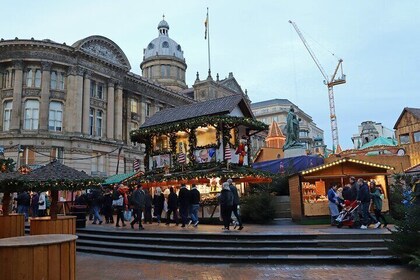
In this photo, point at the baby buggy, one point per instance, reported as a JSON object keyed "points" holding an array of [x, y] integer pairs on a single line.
{"points": [[346, 216]]}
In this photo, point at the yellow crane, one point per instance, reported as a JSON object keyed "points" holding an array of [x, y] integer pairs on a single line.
{"points": [[330, 82]]}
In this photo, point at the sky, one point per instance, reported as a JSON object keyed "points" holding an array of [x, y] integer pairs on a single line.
{"points": [[378, 41]]}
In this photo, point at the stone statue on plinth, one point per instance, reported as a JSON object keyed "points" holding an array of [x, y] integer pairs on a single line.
{"points": [[292, 133]]}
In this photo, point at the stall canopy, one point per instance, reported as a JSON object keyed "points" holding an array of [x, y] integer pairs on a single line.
{"points": [[118, 178], [289, 166]]}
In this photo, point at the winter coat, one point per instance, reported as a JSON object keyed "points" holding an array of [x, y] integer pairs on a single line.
{"points": [[376, 198], [148, 200], [234, 191], [158, 202], [184, 198], [347, 193], [194, 197], [364, 194], [226, 198], [42, 202], [355, 191], [172, 201], [138, 199]]}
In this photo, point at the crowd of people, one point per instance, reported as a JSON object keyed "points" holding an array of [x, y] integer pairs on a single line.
{"points": [[363, 195], [138, 206], [31, 204]]}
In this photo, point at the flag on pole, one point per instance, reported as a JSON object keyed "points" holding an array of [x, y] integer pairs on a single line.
{"points": [[182, 158], [206, 23], [228, 155], [136, 165]]}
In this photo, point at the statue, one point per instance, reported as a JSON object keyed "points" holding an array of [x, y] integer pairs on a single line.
{"points": [[292, 130]]}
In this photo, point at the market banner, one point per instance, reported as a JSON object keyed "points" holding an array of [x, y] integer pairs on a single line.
{"points": [[289, 166]]}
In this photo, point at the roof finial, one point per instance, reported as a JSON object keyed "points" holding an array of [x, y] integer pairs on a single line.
{"points": [[163, 16]]}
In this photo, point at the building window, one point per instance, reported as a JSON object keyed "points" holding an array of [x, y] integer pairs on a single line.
{"points": [[416, 136], [147, 110], [91, 120], [133, 105], [100, 91], [55, 121], [165, 44], [57, 153], [53, 80], [37, 78], [165, 71], [7, 114], [29, 74], [92, 89], [31, 114], [404, 139], [61, 79], [98, 123]]}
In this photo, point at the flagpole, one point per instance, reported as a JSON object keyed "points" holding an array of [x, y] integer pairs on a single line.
{"points": [[208, 40]]}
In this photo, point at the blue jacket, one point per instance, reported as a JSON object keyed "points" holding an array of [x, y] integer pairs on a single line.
{"points": [[332, 195]]}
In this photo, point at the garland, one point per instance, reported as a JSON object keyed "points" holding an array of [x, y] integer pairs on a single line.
{"points": [[17, 185], [192, 140], [7, 165]]}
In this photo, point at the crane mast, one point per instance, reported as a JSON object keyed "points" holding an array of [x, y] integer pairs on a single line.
{"points": [[330, 84]]}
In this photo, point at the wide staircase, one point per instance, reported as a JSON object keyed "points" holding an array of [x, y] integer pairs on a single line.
{"points": [[238, 247]]}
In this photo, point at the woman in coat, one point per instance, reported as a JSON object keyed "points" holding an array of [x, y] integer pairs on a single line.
{"points": [[333, 202], [226, 203], [158, 202], [377, 196]]}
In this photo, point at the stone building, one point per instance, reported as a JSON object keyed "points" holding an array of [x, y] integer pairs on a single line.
{"points": [[368, 131], [75, 103], [276, 110]]}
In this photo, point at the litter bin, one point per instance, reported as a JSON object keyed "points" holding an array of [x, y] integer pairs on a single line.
{"points": [[80, 212]]}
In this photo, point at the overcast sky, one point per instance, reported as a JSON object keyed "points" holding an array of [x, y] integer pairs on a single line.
{"points": [[378, 40]]}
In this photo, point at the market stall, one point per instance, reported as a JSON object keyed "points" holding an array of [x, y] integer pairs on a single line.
{"points": [[308, 188]]}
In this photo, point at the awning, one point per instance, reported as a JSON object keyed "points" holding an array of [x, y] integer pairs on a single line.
{"points": [[118, 178]]}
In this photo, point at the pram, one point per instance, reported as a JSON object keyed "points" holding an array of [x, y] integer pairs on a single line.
{"points": [[346, 216]]}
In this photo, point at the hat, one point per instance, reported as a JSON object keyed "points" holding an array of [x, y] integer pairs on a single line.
{"points": [[353, 178], [229, 181]]}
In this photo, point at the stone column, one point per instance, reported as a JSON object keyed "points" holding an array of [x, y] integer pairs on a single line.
{"points": [[110, 113], [86, 102], [17, 96], [74, 100], [45, 95], [118, 113]]}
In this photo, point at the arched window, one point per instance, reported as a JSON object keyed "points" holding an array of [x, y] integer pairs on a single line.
{"points": [[179, 48], [165, 44], [150, 46], [53, 80], [37, 78], [7, 114], [31, 120], [55, 121]]}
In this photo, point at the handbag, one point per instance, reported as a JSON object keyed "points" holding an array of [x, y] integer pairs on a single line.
{"points": [[118, 202], [127, 215]]}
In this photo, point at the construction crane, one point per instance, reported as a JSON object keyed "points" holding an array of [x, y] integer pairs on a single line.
{"points": [[330, 82]]}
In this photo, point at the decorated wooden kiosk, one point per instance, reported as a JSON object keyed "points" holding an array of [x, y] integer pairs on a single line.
{"points": [[203, 144], [308, 188]]}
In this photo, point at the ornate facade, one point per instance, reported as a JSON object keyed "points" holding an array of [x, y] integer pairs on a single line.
{"points": [[75, 103]]}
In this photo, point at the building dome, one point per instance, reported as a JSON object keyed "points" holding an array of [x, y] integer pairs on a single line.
{"points": [[163, 45]]}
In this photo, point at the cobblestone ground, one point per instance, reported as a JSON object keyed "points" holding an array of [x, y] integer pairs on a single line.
{"points": [[94, 267]]}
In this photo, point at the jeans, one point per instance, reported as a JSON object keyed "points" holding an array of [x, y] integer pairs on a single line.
{"points": [[366, 217], [168, 216], [183, 211], [22, 209], [96, 216], [138, 212], [194, 212]]}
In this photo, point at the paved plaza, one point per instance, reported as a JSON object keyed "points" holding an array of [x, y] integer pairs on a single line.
{"points": [[95, 267]]}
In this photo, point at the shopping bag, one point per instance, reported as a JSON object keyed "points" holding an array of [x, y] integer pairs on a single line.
{"points": [[127, 215]]}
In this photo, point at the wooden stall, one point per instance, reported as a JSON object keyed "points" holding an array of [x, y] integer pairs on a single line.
{"points": [[12, 225], [51, 256], [308, 188], [47, 225]]}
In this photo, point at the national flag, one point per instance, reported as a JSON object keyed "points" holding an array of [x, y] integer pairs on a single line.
{"points": [[228, 154], [136, 165], [206, 23]]}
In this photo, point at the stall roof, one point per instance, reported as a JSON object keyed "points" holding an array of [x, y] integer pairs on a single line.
{"points": [[118, 178], [413, 169], [380, 141], [340, 161], [289, 165]]}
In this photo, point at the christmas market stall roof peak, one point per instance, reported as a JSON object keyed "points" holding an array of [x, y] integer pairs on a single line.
{"points": [[211, 112], [343, 160]]}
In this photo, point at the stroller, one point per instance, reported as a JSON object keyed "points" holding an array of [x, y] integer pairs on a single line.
{"points": [[346, 216]]}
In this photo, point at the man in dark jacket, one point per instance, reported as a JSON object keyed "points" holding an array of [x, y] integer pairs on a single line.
{"points": [[147, 206], [184, 203], [364, 198], [194, 205], [226, 201], [23, 203], [96, 203], [138, 202], [172, 206], [235, 205]]}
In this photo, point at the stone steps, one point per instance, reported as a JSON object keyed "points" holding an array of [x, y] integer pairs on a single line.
{"points": [[233, 247]]}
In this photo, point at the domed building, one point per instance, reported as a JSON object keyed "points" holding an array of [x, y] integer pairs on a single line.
{"points": [[163, 60]]}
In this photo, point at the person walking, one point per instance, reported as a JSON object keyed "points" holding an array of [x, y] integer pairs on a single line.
{"points": [[364, 198], [118, 203], [42, 205], [158, 202], [35, 204], [148, 201], [333, 202], [235, 206], [184, 204], [138, 201], [172, 207], [96, 203], [194, 205], [226, 202], [377, 197]]}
